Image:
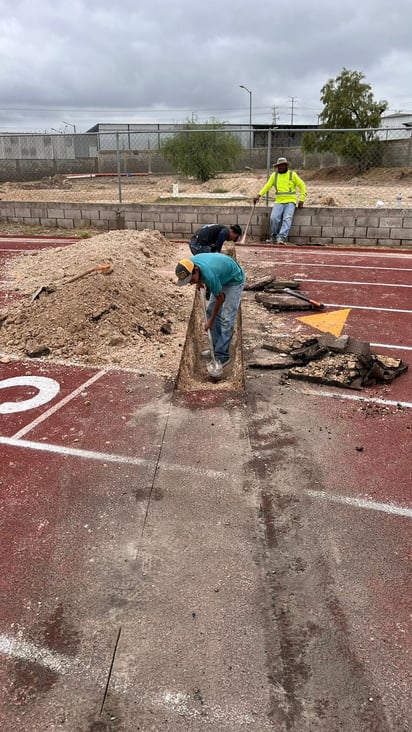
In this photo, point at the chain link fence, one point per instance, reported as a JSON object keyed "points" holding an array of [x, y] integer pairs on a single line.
{"points": [[344, 168]]}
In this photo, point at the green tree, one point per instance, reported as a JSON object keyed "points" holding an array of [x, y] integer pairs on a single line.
{"points": [[203, 150], [349, 106]]}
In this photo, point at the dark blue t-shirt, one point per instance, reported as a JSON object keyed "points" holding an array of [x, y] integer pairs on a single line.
{"points": [[212, 235]]}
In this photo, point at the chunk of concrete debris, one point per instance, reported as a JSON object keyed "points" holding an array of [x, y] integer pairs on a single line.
{"points": [[34, 349], [263, 358], [166, 327], [268, 283], [283, 344], [342, 361], [281, 302]]}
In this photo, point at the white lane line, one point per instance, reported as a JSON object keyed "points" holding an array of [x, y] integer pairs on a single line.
{"points": [[355, 398], [365, 307], [25, 651], [113, 458], [44, 242], [387, 345], [390, 508], [22, 251], [73, 451], [348, 266], [58, 406], [171, 700], [346, 282], [16, 648]]}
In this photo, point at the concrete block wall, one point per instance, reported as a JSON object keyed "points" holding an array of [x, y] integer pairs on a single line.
{"points": [[333, 226], [363, 227]]}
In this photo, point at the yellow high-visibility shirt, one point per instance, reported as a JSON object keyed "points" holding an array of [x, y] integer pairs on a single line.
{"points": [[285, 185]]}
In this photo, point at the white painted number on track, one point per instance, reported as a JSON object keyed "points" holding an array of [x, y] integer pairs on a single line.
{"points": [[47, 390]]}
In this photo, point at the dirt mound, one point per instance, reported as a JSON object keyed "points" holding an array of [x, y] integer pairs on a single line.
{"points": [[52, 181], [351, 173], [332, 173], [134, 316], [387, 175]]}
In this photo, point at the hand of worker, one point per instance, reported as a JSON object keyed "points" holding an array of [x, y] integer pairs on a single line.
{"points": [[256, 199], [300, 204]]}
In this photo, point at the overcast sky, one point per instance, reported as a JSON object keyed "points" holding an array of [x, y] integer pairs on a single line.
{"points": [[66, 63]]}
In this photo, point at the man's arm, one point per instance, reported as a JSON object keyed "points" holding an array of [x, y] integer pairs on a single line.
{"points": [[302, 189], [223, 236], [268, 185], [218, 303]]}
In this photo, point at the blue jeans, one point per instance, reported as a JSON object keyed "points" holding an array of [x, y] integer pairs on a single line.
{"points": [[197, 248], [281, 219], [222, 329]]}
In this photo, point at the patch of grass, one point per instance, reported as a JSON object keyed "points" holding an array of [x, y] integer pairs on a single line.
{"points": [[219, 190]]}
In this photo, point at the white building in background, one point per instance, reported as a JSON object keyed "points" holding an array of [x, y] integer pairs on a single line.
{"points": [[146, 136], [397, 126]]}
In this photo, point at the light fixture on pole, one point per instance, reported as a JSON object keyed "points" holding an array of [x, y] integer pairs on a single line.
{"points": [[250, 119], [69, 124]]}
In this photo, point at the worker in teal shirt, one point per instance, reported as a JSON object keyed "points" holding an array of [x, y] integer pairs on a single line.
{"points": [[225, 279]]}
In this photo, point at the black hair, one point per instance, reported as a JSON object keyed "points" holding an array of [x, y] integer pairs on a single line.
{"points": [[236, 228]]}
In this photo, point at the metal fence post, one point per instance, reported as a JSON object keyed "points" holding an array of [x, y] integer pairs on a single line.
{"points": [[149, 155], [119, 171], [268, 156]]}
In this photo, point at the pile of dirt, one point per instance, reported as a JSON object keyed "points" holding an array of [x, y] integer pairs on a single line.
{"points": [[133, 316], [332, 173], [51, 181], [351, 173], [327, 201]]}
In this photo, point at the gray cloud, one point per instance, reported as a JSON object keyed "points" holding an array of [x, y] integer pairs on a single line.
{"points": [[88, 61]]}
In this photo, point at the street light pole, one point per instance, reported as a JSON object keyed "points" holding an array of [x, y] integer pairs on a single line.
{"points": [[250, 120], [69, 124]]}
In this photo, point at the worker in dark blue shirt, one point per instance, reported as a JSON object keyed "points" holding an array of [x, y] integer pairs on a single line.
{"points": [[211, 237]]}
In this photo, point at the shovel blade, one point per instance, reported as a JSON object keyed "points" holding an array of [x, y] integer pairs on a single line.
{"points": [[47, 289], [214, 369]]}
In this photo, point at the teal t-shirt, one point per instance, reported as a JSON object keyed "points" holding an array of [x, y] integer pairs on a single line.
{"points": [[218, 271]]}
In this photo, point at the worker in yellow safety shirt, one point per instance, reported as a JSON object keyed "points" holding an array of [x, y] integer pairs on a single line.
{"points": [[286, 183]]}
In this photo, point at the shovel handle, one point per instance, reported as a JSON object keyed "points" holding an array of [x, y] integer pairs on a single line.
{"points": [[97, 268], [203, 301], [243, 238], [303, 297]]}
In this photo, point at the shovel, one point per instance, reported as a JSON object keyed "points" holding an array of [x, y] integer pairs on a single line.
{"points": [[243, 238], [47, 289], [314, 303], [214, 368], [96, 268]]}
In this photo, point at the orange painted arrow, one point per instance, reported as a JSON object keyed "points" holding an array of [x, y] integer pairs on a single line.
{"points": [[328, 322]]}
